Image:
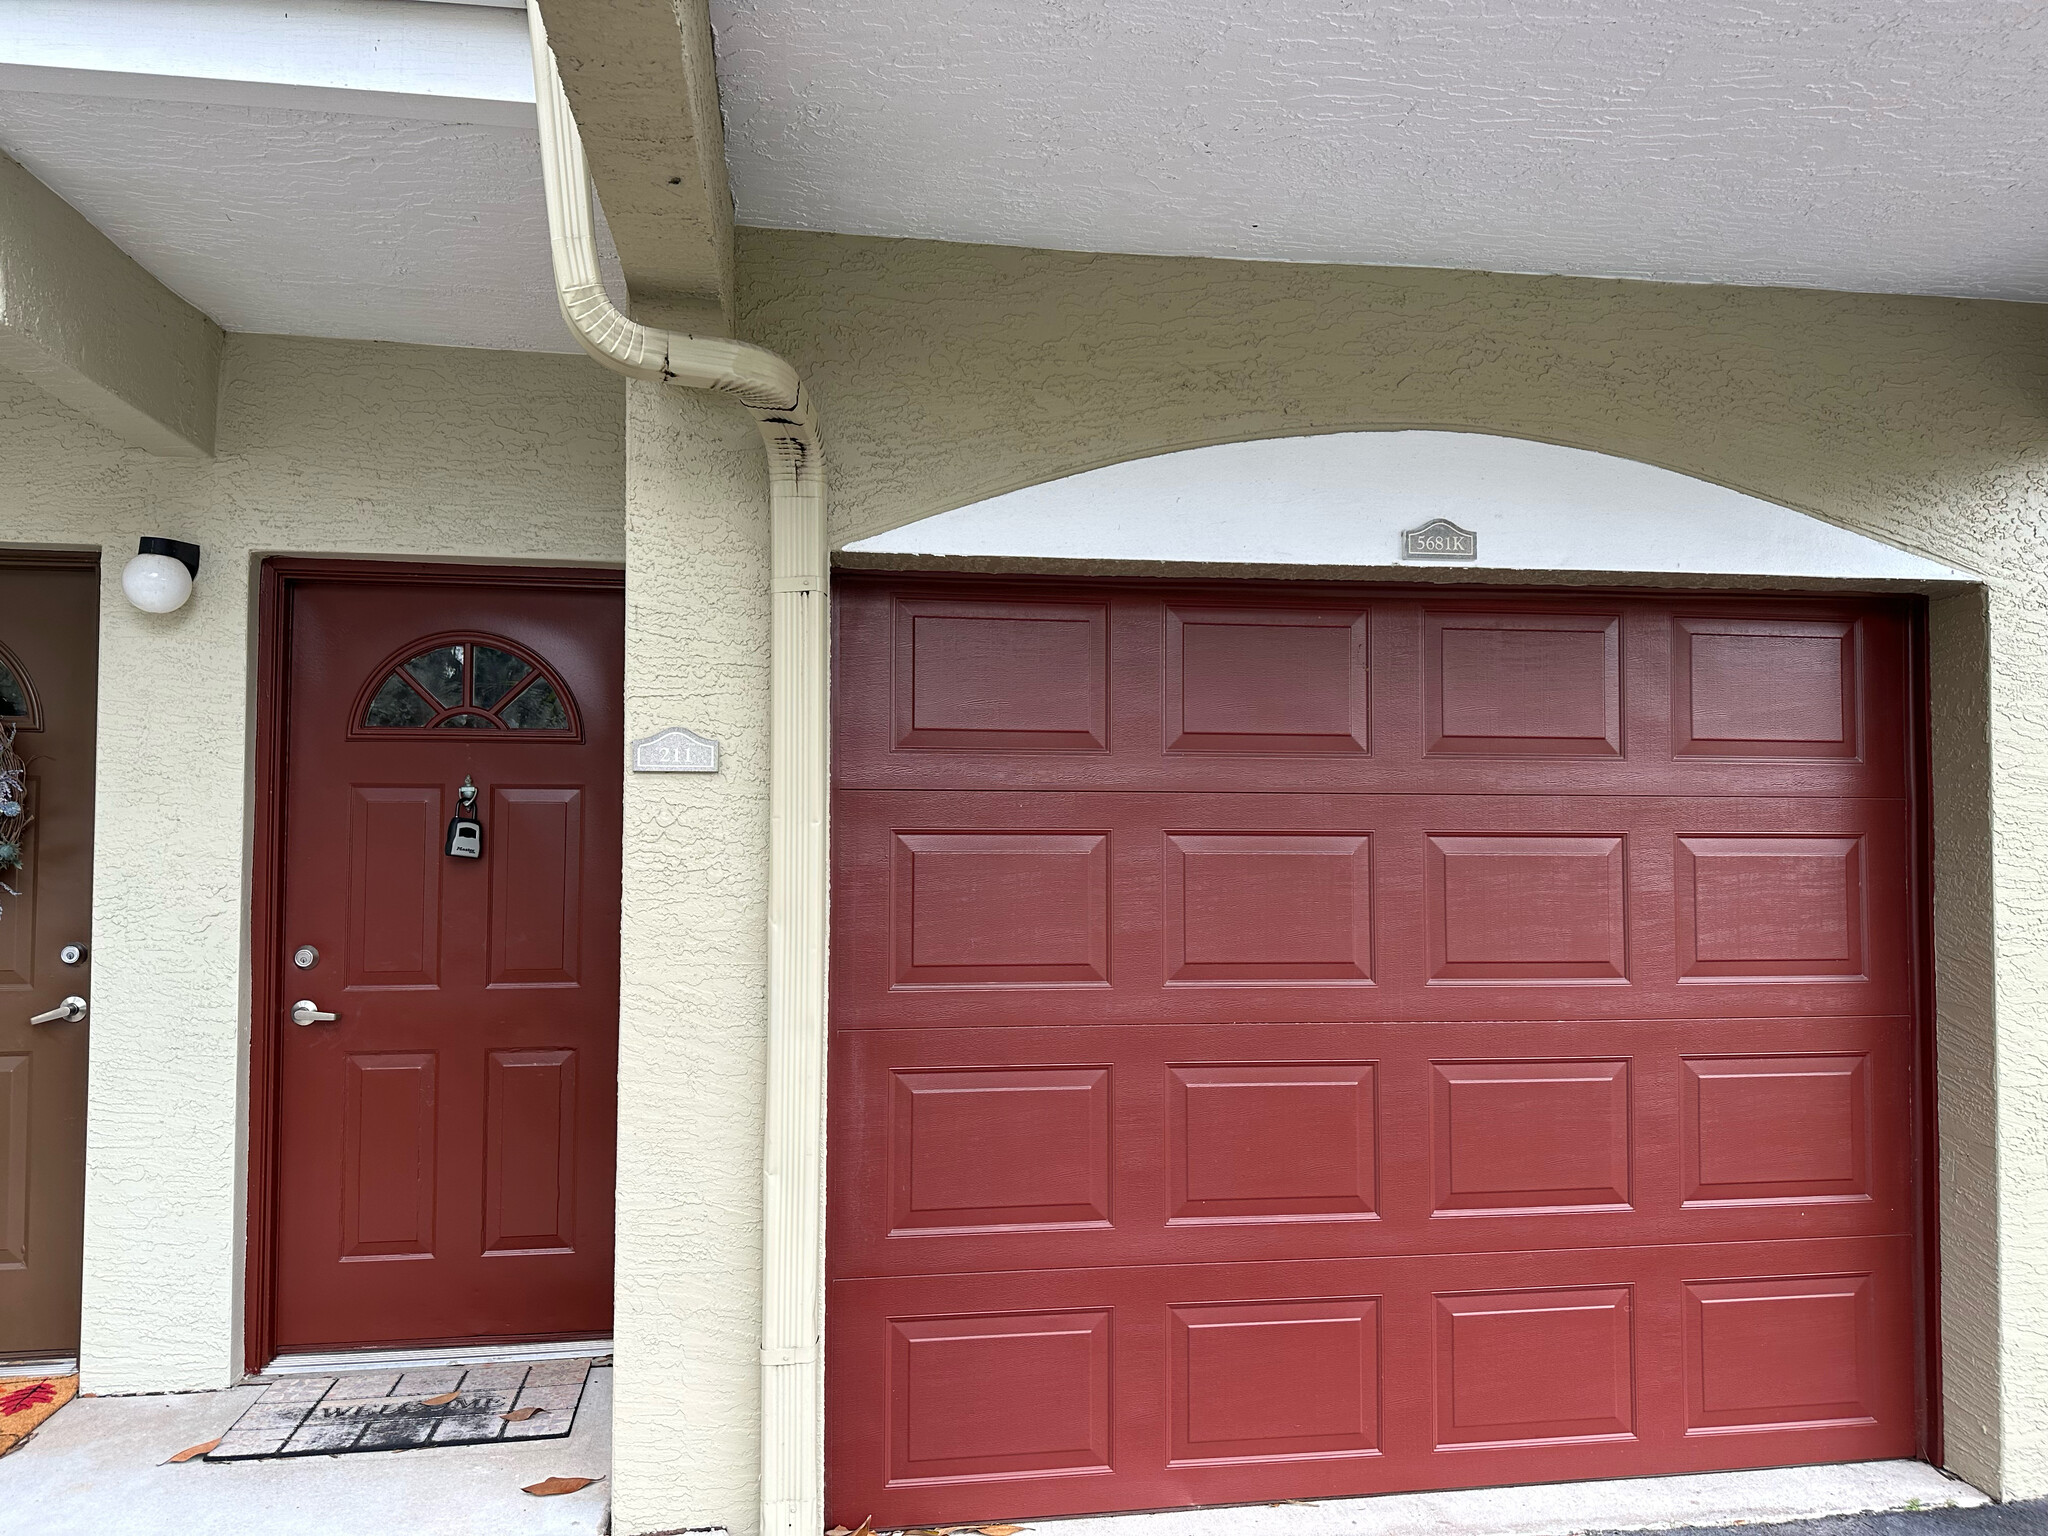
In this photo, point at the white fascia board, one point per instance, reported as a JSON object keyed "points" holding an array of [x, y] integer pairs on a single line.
{"points": [[455, 63]]}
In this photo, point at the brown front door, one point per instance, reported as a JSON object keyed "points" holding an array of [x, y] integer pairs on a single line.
{"points": [[445, 1142], [49, 646]]}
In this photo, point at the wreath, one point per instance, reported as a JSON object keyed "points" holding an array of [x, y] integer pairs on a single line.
{"points": [[14, 816]]}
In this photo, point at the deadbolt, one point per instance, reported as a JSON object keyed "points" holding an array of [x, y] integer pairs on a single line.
{"points": [[305, 957], [72, 954]]}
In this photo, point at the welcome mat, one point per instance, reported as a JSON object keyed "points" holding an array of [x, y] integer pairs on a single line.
{"points": [[25, 1401], [396, 1410]]}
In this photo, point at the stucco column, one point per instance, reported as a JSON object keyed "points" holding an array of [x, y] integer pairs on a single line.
{"points": [[2016, 544], [164, 1122], [693, 1009]]}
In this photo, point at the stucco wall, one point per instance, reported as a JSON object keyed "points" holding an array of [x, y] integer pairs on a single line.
{"points": [[945, 374], [694, 983], [324, 447]]}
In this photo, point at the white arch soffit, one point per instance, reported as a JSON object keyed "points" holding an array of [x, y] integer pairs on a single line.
{"points": [[1343, 500]]}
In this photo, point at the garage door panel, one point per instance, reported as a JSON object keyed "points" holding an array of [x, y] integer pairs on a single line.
{"points": [[1259, 909], [1266, 680], [1268, 1141], [1527, 907], [1521, 684], [1524, 1136], [1273, 1380], [1766, 688], [1782, 1351], [999, 1149], [1201, 1143], [1533, 1366], [1784, 1129], [1778, 907], [1155, 907], [1025, 687], [994, 909], [1017, 676], [1210, 1384], [995, 1395]]}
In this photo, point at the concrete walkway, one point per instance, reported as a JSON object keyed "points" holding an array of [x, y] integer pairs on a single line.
{"points": [[1699, 1501], [96, 1469], [2028, 1519]]}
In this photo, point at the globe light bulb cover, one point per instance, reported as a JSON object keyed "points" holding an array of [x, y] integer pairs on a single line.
{"points": [[159, 578]]}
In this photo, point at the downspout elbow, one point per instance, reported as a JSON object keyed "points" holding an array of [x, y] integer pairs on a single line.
{"points": [[757, 378]]}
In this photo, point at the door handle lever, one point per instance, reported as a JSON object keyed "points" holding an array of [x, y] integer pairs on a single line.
{"points": [[70, 1011], [305, 1011]]}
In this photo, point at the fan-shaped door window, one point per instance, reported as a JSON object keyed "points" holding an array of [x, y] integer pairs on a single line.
{"points": [[469, 683], [17, 698]]}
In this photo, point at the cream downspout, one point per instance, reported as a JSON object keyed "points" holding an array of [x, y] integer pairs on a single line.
{"points": [[792, 1470]]}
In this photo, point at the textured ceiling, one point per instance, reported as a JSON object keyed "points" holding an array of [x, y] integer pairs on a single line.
{"points": [[356, 168], [269, 220], [368, 168], [1889, 145]]}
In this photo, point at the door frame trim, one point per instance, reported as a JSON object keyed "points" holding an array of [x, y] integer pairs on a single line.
{"points": [[21, 557], [276, 577], [1926, 1081]]}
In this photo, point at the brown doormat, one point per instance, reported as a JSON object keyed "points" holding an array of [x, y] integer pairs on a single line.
{"points": [[25, 1401]]}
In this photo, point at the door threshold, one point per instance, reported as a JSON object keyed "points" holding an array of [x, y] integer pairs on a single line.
{"points": [[38, 1365], [482, 1352]]}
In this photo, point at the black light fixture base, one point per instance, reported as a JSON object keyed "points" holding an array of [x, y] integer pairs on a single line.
{"points": [[185, 554]]}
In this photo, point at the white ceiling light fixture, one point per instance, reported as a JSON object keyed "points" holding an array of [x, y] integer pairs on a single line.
{"points": [[159, 578]]}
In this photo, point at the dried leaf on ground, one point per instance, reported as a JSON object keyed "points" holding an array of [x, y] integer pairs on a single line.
{"points": [[518, 1415], [439, 1400], [194, 1452], [548, 1487], [998, 1530]]}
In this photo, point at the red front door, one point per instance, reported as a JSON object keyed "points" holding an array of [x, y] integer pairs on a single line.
{"points": [[445, 1142], [1295, 1041]]}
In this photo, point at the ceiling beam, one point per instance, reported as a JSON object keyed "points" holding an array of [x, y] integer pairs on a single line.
{"points": [[643, 84], [79, 317]]}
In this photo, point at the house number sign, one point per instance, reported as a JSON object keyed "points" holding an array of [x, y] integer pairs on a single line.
{"points": [[1439, 539], [675, 750]]}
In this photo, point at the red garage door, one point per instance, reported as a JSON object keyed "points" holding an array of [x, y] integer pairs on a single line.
{"points": [[1290, 1042]]}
